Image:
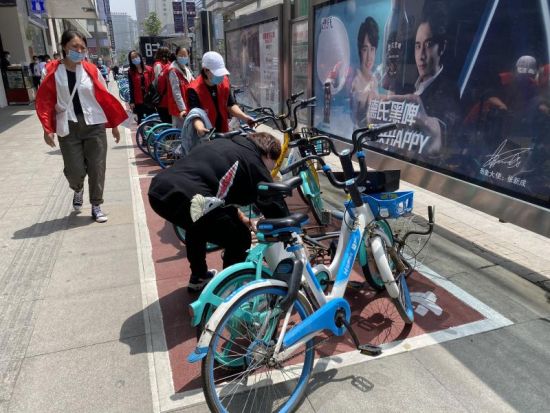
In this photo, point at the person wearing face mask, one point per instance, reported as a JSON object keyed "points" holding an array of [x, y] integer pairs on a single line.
{"points": [[179, 78], [74, 103], [211, 91], [140, 77]]}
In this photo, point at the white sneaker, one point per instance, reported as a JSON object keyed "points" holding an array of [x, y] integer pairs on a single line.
{"points": [[98, 215]]}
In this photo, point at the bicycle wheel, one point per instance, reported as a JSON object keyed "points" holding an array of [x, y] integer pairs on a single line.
{"points": [[141, 132], [165, 152], [403, 301], [152, 135], [229, 285], [180, 233], [310, 192], [368, 265], [247, 332]]}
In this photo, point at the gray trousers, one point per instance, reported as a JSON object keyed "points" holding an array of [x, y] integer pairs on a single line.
{"points": [[84, 152]]}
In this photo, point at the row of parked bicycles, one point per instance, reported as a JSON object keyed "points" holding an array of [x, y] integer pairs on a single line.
{"points": [[259, 321]]}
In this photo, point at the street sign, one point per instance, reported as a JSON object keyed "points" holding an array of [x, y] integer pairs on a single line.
{"points": [[37, 6]]}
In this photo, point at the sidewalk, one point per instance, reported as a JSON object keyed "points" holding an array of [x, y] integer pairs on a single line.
{"points": [[70, 288], [79, 332]]}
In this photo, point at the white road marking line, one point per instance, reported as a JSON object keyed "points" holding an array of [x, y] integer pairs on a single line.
{"points": [[160, 371]]}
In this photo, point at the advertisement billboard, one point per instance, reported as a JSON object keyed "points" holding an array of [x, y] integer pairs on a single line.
{"points": [[252, 55], [468, 83]]}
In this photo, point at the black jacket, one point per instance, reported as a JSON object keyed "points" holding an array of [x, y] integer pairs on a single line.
{"points": [[200, 172]]}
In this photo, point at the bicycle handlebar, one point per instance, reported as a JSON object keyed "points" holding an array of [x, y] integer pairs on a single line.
{"points": [[296, 95], [345, 156], [266, 118]]}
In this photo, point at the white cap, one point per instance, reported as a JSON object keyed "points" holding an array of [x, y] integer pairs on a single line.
{"points": [[213, 61]]}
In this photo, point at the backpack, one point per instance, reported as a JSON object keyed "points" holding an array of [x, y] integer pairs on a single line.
{"points": [[152, 95]]}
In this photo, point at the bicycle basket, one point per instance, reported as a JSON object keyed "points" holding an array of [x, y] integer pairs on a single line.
{"points": [[390, 204], [381, 181]]}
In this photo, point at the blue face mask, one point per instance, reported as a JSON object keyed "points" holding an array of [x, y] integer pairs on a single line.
{"points": [[183, 60], [216, 80], [136, 61], [76, 56]]}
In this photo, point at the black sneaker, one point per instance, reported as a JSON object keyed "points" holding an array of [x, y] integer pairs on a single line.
{"points": [[197, 285], [78, 198]]}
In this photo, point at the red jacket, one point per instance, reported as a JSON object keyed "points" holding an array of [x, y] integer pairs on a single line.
{"points": [[46, 99], [207, 103], [135, 78], [184, 85], [162, 83]]}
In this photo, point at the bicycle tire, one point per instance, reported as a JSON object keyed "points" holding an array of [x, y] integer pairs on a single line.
{"points": [[152, 134], [368, 265], [140, 133], [312, 195], [253, 356], [403, 302], [230, 284], [165, 147]]}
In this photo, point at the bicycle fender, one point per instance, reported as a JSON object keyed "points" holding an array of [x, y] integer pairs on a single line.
{"points": [[207, 295], [206, 337], [363, 258], [381, 260]]}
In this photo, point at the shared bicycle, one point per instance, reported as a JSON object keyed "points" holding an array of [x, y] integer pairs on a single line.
{"points": [[257, 347]]}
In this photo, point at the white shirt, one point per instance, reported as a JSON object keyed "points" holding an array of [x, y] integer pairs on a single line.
{"points": [[93, 113]]}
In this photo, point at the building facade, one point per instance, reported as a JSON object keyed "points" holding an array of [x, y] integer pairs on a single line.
{"points": [[125, 34]]}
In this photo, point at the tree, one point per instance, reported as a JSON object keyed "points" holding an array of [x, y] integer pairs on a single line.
{"points": [[152, 24]]}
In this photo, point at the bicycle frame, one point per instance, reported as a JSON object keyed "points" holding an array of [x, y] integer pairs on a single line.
{"points": [[354, 227]]}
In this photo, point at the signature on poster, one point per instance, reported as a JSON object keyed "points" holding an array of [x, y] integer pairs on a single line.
{"points": [[511, 158]]}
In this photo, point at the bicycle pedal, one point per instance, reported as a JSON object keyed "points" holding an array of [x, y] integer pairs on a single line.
{"points": [[357, 285], [370, 350]]}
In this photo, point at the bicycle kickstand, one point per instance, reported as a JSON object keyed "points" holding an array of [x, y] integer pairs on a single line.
{"points": [[366, 349]]}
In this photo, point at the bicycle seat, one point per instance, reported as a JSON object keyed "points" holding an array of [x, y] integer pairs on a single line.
{"points": [[284, 188], [279, 229]]}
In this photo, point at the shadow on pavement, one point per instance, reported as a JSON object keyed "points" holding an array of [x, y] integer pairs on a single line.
{"points": [[9, 121], [42, 229], [176, 303]]}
